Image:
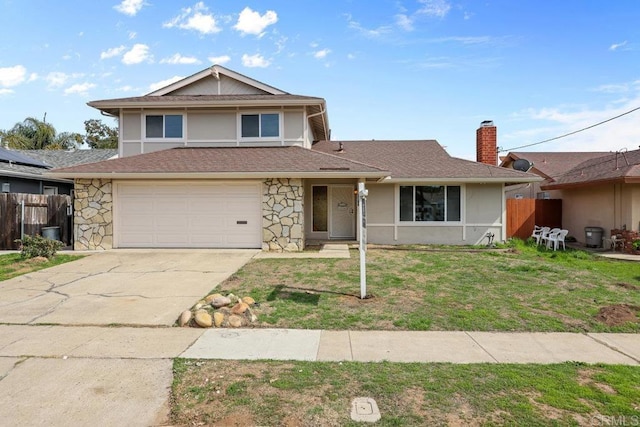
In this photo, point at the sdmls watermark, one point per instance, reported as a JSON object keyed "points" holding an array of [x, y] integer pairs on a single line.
{"points": [[615, 420]]}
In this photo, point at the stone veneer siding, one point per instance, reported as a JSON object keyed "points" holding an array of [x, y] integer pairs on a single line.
{"points": [[282, 215], [93, 218]]}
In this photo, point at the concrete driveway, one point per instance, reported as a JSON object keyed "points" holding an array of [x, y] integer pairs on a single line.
{"points": [[127, 287], [81, 370]]}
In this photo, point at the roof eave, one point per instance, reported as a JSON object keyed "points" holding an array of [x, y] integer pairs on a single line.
{"points": [[219, 175], [472, 180], [108, 105], [581, 184], [38, 177]]}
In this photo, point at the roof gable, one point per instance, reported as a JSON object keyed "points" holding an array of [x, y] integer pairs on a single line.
{"points": [[217, 80]]}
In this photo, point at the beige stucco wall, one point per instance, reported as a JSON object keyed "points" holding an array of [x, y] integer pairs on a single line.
{"points": [[610, 206], [483, 203], [131, 127], [484, 212], [293, 125], [211, 126]]}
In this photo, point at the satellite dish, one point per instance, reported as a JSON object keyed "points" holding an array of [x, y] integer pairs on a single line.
{"points": [[523, 165]]}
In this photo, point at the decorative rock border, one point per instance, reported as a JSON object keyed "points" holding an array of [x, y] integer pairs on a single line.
{"points": [[220, 311], [282, 215]]}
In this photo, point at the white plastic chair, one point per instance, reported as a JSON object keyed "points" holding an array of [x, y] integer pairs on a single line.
{"points": [[540, 234], [536, 232], [544, 239], [557, 238]]}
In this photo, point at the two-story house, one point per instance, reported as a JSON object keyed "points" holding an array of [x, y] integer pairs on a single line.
{"points": [[221, 160]]}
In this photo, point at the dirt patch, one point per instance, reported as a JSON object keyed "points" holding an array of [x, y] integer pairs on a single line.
{"points": [[235, 420], [585, 378], [629, 286], [618, 314]]}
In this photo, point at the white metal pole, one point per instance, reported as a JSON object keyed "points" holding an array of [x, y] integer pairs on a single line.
{"points": [[22, 220], [363, 238]]}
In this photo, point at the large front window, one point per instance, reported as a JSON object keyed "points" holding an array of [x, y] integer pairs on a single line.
{"points": [[164, 126], [430, 203], [260, 125]]}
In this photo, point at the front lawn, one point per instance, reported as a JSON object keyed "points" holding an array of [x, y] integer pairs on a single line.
{"points": [[12, 265], [271, 393], [517, 288]]}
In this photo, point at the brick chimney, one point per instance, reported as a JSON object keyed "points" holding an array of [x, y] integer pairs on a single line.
{"points": [[487, 143]]}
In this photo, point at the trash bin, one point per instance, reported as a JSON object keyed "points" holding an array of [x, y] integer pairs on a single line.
{"points": [[51, 233], [593, 237]]}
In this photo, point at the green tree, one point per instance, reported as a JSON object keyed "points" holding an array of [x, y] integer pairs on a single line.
{"points": [[100, 135], [34, 134]]}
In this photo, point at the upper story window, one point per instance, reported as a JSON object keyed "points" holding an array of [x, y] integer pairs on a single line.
{"points": [[430, 203], [266, 125], [163, 126]]}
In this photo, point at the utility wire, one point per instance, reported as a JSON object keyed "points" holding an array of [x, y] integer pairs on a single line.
{"points": [[572, 133]]}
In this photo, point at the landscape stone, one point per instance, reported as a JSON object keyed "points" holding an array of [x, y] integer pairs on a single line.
{"points": [[240, 308], [235, 321], [184, 318], [203, 319], [248, 300], [218, 319], [220, 302]]}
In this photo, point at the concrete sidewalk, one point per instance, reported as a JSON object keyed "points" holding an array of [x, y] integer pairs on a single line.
{"points": [[408, 346]]}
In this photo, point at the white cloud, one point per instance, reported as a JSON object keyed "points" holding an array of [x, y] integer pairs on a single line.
{"points": [[617, 46], [5, 91], [251, 22], [132, 35], [195, 18], [219, 59], [366, 32], [437, 8], [80, 89], [179, 59], [158, 85], [138, 53], [351, 56], [129, 7], [56, 78], [125, 88], [404, 22], [33, 77], [255, 61], [12, 76], [550, 122], [321, 54], [111, 52]]}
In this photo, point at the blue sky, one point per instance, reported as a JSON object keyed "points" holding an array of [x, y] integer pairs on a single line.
{"points": [[410, 69]]}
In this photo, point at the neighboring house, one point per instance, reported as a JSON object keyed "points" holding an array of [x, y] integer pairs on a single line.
{"points": [[548, 165], [601, 192], [21, 171], [221, 160]]}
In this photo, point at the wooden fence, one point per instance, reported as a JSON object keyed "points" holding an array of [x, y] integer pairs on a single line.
{"points": [[523, 214], [39, 211]]}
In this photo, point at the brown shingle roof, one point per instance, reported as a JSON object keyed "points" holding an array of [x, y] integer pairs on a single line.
{"points": [[212, 100], [266, 161], [423, 159], [613, 167], [551, 164]]}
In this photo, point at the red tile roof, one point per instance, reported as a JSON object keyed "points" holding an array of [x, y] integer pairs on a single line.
{"points": [[422, 159]]}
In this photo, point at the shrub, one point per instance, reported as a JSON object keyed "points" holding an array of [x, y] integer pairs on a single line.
{"points": [[636, 245], [34, 246]]}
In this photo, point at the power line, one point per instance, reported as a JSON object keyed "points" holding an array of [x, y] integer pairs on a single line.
{"points": [[572, 133]]}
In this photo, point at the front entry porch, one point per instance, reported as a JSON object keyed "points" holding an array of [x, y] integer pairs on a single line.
{"points": [[331, 211]]}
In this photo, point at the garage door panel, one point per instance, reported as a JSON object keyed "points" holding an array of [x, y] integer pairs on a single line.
{"points": [[193, 215]]}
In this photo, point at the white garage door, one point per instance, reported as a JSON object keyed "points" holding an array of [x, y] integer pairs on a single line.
{"points": [[188, 215]]}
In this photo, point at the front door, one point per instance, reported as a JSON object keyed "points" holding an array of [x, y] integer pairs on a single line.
{"points": [[343, 212]]}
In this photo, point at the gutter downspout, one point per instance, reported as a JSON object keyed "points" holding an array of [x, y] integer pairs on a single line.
{"points": [[322, 112]]}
